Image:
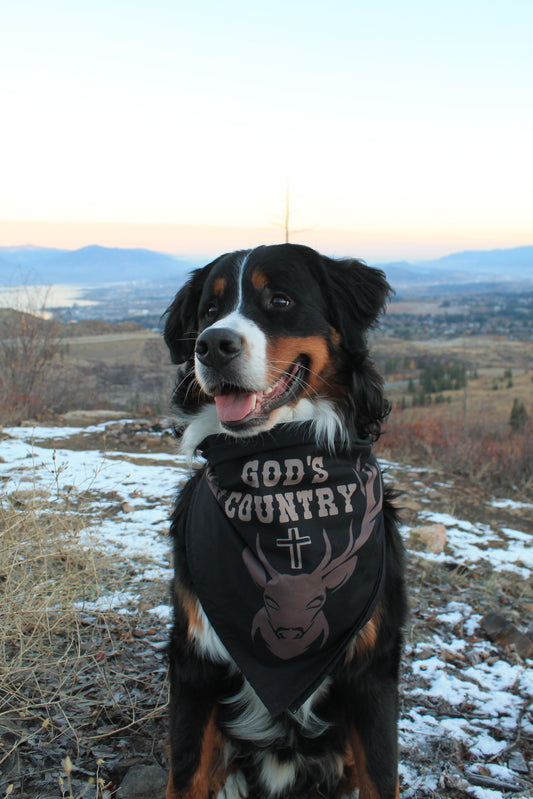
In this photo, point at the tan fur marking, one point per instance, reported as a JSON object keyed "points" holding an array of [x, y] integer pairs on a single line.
{"points": [[209, 778], [283, 351], [349, 779], [170, 792], [365, 640], [219, 286], [259, 280], [336, 337], [367, 789], [191, 607]]}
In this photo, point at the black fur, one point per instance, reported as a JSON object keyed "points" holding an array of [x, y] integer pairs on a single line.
{"points": [[348, 297]]}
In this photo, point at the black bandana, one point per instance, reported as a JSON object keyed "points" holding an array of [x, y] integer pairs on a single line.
{"points": [[285, 545]]}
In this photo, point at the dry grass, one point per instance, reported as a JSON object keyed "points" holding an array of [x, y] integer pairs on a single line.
{"points": [[127, 348], [468, 432], [66, 679], [41, 568], [488, 398], [475, 352], [43, 572]]}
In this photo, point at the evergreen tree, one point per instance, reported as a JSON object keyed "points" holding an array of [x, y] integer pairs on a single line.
{"points": [[519, 415]]}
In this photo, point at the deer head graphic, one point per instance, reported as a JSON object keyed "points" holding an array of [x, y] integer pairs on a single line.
{"points": [[292, 618]]}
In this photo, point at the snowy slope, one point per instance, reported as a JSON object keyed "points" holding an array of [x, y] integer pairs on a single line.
{"points": [[461, 693]]}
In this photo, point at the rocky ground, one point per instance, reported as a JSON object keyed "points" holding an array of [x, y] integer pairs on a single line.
{"points": [[95, 725]]}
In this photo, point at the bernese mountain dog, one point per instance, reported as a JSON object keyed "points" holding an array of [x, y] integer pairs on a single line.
{"points": [[288, 593]]}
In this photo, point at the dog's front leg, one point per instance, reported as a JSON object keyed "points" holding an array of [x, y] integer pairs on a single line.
{"points": [[196, 743], [373, 739]]}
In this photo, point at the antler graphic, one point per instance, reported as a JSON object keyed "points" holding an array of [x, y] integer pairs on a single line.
{"points": [[373, 505], [257, 573], [328, 566]]}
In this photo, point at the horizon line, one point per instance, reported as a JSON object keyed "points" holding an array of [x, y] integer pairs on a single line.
{"points": [[204, 240]]}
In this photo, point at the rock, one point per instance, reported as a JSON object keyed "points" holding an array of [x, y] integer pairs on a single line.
{"points": [[498, 628], [524, 645], [501, 631], [518, 763], [429, 538], [484, 779], [143, 782]]}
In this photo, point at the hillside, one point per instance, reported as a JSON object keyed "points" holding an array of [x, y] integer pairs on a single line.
{"points": [[85, 568], [13, 323]]}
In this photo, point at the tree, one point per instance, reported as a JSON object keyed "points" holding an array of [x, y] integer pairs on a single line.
{"points": [[519, 416]]}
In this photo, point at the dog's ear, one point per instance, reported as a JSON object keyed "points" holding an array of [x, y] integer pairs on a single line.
{"points": [[357, 295], [181, 327]]}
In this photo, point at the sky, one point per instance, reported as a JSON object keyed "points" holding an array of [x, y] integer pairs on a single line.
{"points": [[402, 130]]}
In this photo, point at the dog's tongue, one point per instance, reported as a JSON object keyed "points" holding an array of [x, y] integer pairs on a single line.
{"points": [[235, 406]]}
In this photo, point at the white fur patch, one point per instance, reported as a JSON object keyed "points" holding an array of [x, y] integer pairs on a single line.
{"points": [[255, 723], [234, 788], [277, 776], [204, 423], [239, 279], [327, 423], [207, 643], [312, 725]]}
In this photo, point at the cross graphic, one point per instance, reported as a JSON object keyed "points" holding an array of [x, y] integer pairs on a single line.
{"points": [[295, 543]]}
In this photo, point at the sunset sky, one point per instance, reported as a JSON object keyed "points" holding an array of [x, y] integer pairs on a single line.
{"points": [[404, 129]]}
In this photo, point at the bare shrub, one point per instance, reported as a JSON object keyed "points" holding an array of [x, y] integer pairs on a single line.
{"points": [[31, 353], [479, 451]]}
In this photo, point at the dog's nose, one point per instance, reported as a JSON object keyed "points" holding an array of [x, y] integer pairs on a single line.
{"points": [[217, 346]]}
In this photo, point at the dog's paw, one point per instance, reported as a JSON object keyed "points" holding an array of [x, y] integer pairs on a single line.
{"points": [[235, 787], [351, 795]]}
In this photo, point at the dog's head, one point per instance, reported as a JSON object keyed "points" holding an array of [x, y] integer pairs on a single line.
{"points": [[277, 334]]}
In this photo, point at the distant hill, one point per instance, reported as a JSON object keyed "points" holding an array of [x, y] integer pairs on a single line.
{"points": [[462, 269], [22, 264], [518, 261], [95, 265], [92, 265]]}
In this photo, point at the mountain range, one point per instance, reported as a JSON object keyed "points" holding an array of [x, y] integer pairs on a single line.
{"points": [[467, 268], [88, 266], [95, 265]]}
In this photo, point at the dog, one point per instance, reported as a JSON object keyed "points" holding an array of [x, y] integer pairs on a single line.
{"points": [[288, 595]]}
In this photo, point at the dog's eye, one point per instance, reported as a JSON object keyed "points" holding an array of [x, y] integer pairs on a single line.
{"points": [[280, 301], [211, 310]]}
